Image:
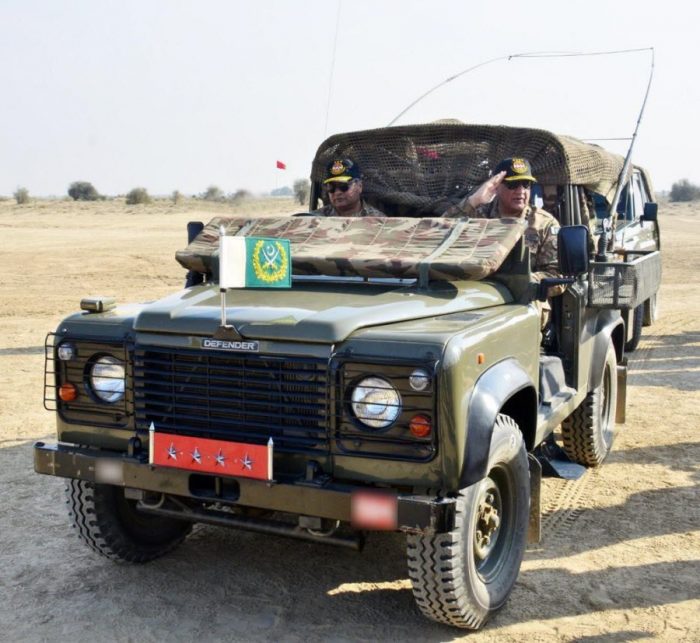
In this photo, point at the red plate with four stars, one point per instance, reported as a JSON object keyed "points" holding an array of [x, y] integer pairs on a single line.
{"points": [[211, 456]]}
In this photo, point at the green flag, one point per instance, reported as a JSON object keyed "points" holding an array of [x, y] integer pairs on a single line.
{"points": [[254, 262]]}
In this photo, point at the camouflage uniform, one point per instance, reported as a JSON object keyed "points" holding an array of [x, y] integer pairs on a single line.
{"points": [[540, 235], [365, 211]]}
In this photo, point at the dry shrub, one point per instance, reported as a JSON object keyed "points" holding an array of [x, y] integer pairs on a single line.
{"points": [[21, 196], [138, 196]]}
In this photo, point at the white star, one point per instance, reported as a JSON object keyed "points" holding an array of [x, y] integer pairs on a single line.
{"points": [[220, 459], [247, 462], [172, 452], [196, 456]]}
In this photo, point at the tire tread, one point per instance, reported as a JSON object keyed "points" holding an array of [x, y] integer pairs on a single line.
{"points": [[581, 434], [99, 528], [436, 564]]}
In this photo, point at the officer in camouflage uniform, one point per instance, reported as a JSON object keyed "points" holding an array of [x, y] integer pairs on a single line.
{"points": [[344, 188], [507, 194]]}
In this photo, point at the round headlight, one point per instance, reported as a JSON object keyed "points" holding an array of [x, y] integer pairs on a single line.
{"points": [[375, 402], [419, 379], [107, 379], [66, 352]]}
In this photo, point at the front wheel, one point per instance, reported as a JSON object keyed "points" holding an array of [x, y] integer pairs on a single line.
{"points": [[111, 525], [588, 433], [462, 577]]}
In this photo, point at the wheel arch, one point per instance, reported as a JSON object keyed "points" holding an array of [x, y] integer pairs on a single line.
{"points": [[609, 331], [505, 388]]}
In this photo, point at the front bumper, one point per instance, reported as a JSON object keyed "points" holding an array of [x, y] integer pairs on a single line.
{"points": [[317, 497]]}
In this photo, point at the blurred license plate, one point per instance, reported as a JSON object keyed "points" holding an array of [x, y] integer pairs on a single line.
{"points": [[109, 472], [377, 511]]}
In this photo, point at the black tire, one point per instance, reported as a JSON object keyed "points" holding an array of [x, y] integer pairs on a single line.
{"points": [[111, 525], [457, 577], [635, 332], [651, 310], [588, 433]]}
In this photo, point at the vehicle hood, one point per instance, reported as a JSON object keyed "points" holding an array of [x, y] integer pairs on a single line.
{"points": [[312, 312]]}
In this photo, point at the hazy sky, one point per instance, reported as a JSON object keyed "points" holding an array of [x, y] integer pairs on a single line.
{"points": [[181, 95]]}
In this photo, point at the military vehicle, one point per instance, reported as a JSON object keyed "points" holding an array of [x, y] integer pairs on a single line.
{"points": [[399, 384], [636, 236]]}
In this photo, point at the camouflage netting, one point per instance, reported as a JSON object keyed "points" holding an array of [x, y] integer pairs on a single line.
{"points": [[425, 168], [437, 248]]}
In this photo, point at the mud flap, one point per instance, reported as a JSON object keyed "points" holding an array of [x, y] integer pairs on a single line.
{"points": [[620, 409], [534, 529]]}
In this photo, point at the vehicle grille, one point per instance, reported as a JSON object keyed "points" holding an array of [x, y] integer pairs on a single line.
{"points": [[243, 398]]}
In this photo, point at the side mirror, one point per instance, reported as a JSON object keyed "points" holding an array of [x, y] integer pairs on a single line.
{"points": [[573, 245], [651, 211]]}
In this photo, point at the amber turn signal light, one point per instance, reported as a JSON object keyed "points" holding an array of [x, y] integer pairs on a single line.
{"points": [[420, 426], [67, 392]]}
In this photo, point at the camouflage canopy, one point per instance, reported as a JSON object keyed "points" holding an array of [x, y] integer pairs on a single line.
{"points": [[425, 168], [433, 248]]}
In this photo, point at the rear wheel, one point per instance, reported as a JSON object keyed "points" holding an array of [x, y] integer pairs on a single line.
{"points": [[588, 433], [634, 333], [111, 525], [462, 577], [651, 309]]}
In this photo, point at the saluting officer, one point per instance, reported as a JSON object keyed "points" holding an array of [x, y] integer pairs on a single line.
{"points": [[507, 194]]}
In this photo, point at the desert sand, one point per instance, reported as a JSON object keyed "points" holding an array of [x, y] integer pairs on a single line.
{"points": [[620, 557]]}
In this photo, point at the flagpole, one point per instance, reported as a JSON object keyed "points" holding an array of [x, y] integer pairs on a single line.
{"points": [[225, 331], [222, 233], [270, 449], [280, 166], [151, 442]]}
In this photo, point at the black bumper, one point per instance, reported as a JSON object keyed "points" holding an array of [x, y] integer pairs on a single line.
{"points": [[416, 514]]}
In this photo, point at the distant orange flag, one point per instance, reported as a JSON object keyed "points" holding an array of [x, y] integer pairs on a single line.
{"points": [[281, 166]]}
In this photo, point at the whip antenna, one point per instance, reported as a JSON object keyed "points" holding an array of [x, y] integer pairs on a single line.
{"points": [[628, 158], [444, 82], [530, 54], [332, 71]]}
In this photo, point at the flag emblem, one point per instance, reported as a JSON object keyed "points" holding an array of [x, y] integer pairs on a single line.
{"points": [[254, 262], [270, 262]]}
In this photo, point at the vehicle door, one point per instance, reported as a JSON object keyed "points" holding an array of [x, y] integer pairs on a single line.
{"points": [[632, 233]]}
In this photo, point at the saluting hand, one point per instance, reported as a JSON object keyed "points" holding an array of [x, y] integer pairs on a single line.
{"points": [[486, 192]]}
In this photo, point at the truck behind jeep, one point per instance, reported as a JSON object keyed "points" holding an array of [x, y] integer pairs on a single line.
{"points": [[399, 383]]}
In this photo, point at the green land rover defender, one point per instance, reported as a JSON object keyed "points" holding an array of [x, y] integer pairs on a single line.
{"points": [[399, 383]]}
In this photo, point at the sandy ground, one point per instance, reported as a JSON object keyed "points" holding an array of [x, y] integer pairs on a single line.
{"points": [[620, 558]]}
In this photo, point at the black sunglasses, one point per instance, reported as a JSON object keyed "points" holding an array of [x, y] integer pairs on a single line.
{"points": [[511, 185], [343, 187]]}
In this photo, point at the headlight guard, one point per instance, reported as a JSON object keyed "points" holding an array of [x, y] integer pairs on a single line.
{"points": [[106, 378], [375, 402]]}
